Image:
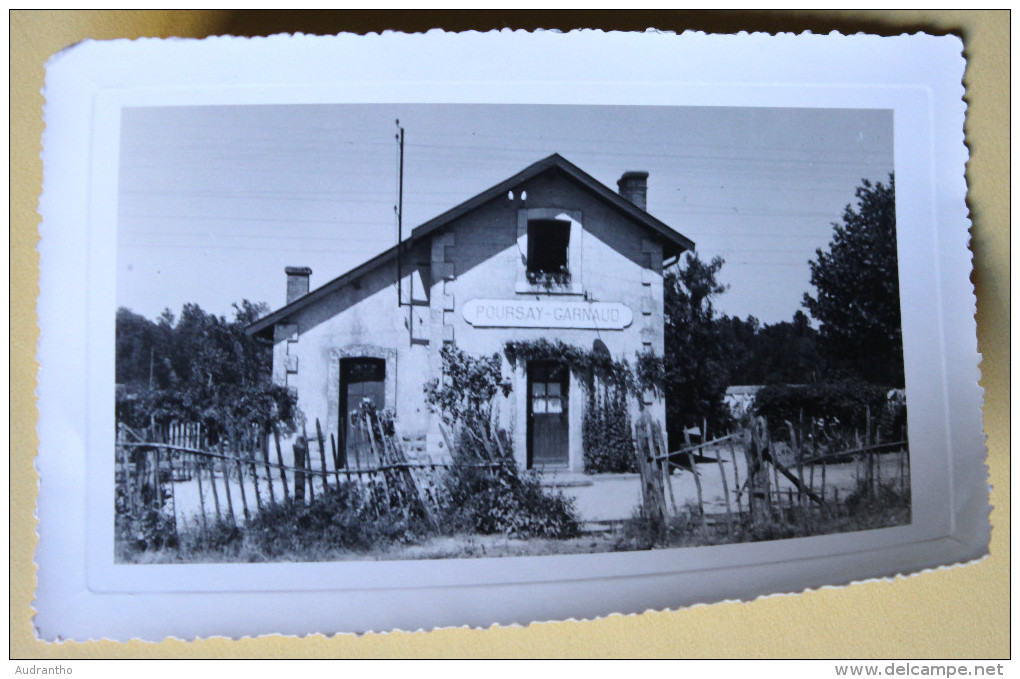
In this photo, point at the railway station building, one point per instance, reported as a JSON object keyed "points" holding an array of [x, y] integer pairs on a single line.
{"points": [[549, 253]]}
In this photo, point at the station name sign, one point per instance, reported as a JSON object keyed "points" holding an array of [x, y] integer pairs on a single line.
{"points": [[513, 313]]}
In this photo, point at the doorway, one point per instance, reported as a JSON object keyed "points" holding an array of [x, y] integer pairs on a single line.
{"points": [[361, 380], [548, 421]]}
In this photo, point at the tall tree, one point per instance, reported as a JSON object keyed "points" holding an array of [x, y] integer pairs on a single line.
{"points": [[780, 353], [695, 372], [199, 368], [857, 300], [135, 351]]}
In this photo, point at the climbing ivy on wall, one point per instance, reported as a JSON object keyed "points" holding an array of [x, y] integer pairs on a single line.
{"points": [[585, 364], [608, 384], [606, 432]]}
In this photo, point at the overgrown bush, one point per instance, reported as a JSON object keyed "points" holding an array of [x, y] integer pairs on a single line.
{"points": [[484, 489], [151, 529], [145, 525], [832, 405], [341, 517], [468, 387], [501, 500], [221, 537], [883, 506]]}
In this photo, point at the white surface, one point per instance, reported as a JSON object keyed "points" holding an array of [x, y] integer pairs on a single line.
{"points": [[82, 594], [515, 313]]}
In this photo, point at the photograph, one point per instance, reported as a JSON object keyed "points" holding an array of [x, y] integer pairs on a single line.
{"points": [[434, 331]]}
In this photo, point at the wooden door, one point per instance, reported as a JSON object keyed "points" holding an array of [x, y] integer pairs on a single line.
{"points": [[548, 435], [361, 379]]}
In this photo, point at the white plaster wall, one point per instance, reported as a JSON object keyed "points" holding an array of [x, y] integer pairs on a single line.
{"points": [[477, 256], [362, 321], [621, 262]]}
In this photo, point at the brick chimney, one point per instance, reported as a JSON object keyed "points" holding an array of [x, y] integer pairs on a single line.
{"points": [[634, 187], [297, 282]]}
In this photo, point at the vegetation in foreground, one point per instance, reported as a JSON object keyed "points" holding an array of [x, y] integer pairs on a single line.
{"points": [[352, 521], [340, 525], [883, 507]]}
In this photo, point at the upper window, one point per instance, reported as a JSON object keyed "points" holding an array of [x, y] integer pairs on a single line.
{"points": [[549, 242], [548, 247]]}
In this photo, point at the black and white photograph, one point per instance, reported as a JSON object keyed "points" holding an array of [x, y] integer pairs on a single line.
{"points": [[362, 333], [350, 332]]}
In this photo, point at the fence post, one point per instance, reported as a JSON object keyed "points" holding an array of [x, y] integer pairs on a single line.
{"points": [[226, 480], [823, 461], [249, 443], [264, 447], [336, 460], [878, 459], [201, 495], [279, 460], [210, 464], [758, 491], [240, 479], [652, 500], [870, 458], [697, 485], [173, 491], [736, 475], [157, 487], [799, 457], [659, 449], [300, 448], [322, 452], [309, 472], [725, 488]]}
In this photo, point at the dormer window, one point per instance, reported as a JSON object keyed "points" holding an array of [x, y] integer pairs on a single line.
{"points": [[549, 240], [548, 251]]}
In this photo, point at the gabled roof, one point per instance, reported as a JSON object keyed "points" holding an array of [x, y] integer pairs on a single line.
{"points": [[672, 237], [675, 243]]}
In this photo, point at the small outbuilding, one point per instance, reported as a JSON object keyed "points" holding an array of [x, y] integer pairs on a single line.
{"points": [[550, 253]]}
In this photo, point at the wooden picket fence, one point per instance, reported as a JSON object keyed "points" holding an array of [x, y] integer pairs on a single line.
{"points": [[239, 475], [752, 475]]}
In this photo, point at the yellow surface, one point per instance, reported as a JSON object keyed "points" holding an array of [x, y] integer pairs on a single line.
{"points": [[961, 612]]}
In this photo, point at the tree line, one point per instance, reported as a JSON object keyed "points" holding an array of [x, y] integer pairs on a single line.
{"points": [[197, 368], [855, 305], [203, 368]]}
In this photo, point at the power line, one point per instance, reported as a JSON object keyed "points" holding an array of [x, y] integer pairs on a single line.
{"points": [[192, 234]]}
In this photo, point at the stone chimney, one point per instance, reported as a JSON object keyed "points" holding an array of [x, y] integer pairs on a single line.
{"points": [[634, 187], [297, 282]]}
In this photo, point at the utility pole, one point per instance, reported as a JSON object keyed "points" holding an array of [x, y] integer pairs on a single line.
{"points": [[399, 208]]}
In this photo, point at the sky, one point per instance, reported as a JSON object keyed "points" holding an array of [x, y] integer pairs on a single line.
{"points": [[214, 201]]}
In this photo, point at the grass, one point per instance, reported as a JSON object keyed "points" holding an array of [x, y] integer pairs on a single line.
{"points": [[343, 525], [481, 513], [884, 508], [456, 546]]}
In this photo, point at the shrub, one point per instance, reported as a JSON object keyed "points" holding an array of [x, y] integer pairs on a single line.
{"points": [[833, 405], [148, 524], [345, 517], [499, 499], [151, 529], [483, 491]]}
